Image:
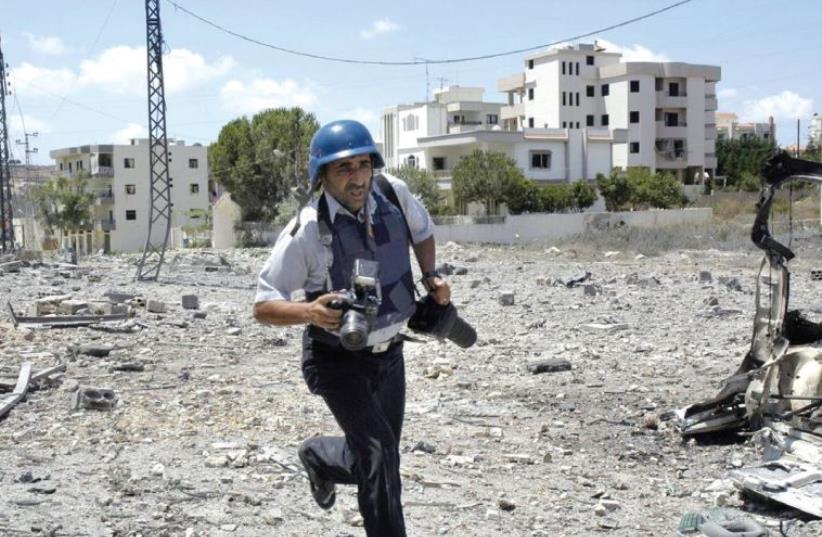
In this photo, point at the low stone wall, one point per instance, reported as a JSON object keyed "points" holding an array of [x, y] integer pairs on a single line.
{"points": [[524, 228]]}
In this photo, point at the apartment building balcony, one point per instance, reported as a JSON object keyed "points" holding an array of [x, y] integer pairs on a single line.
{"points": [[514, 82], [710, 103], [666, 129], [102, 171], [464, 126], [665, 99], [108, 224], [512, 112], [710, 160], [710, 131], [104, 198]]}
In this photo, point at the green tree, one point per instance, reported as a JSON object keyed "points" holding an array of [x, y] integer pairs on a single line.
{"points": [[422, 184], [614, 189], [557, 198], [749, 182], [63, 204], [660, 190], [735, 157], [585, 194], [487, 177], [523, 196], [260, 160]]}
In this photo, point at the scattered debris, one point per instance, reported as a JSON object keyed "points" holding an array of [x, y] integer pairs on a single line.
{"points": [[20, 390], [94, 398], [550, 365]]}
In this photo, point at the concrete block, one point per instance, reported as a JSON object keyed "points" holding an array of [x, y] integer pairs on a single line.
{"points": [[506, 298], [191, 302], [119, 297], [94, 398], [71, 307], [155, 306]]}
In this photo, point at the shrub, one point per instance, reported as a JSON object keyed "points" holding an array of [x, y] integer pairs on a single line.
{"points": [[557, 198], [585, 194], [749, 182], [614, 189]]}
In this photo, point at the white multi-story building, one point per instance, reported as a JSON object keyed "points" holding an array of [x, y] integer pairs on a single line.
{"points": [[728, 126], [815, 130], [666, 109], [120, 177], [435, 135]]}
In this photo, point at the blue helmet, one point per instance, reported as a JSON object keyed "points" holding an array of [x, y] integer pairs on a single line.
{"points": [[340, 139]]}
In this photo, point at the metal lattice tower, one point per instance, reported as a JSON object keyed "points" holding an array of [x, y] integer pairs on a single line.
{"points": [[6, 217], [159, 223]]}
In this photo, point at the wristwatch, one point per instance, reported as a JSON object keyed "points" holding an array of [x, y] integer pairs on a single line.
{"points": [[428, 275]]}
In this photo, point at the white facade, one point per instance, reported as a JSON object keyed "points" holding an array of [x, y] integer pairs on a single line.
{"points": [[120, 176], [815, 130], [454, 110], [728, 126], [667, 109]]}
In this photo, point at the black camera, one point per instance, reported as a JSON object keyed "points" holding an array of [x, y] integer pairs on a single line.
{"points": [[360, 304], [442, 322]]}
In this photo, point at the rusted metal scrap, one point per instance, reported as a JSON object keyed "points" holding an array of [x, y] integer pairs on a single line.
{"points": [[20, 389], [65, 321]]}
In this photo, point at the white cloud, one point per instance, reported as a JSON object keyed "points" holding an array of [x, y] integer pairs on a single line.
{"points": [[782, 106], [132, 130], [261, 93], [634, 53], [379, 27], [123, 70], [367, 117], [27, 78], [727, 93], [51, 45], [32, 125]]}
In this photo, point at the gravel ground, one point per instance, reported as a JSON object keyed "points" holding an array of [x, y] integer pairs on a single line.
{"points": [[202, 440]]}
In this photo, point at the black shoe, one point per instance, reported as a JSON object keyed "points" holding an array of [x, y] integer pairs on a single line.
{"points": [[321, 489]]}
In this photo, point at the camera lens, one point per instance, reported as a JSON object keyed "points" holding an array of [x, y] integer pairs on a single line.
{"points": [[462, 333], [354, 330]]}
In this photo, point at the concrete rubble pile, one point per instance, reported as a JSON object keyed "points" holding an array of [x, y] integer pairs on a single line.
{"points": [[183, 417]]}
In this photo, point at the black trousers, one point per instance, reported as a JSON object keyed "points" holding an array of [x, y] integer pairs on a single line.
{"points": [[366, 394]]}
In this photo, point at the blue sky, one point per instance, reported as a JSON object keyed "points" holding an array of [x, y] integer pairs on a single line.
{"points": [[78, 75]]}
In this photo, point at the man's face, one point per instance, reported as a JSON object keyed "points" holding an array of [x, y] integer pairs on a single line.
{"points": [[349, 181]]}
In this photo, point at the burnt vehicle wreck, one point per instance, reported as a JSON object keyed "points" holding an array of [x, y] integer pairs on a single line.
{"points": [[777, 389]]}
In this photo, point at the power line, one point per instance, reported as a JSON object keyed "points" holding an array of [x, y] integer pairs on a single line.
{"points": [[421, 61]]}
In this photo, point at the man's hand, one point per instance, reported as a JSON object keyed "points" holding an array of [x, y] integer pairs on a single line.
{"points": [[438, 288], [319, 314]]}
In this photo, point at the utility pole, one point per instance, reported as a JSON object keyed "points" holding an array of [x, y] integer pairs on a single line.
{"points": [[29, 150], [6, 216], [159, 222]]}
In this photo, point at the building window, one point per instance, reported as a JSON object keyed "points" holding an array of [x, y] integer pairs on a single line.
{"points": [[589, 91], [131, 214], [564, 124], [589, 120], [410, 122], [606, 90], [673, 89], [589, 60], [61, 166], [577, 98], [457, 119], [577, 125], [634, 86], [671, 119], [128, 163], [530, 123], [193, 163], [131, 190], [492, 119], [659, 84], [69, 167], [563, 68], [79, 165], [411, 161], [563, 98], [634, 116], [530, 64], [634, 147], [577, 68], [530, 94], [604, 120], [104, 160], [194, 188], [541, 160], [439, 163]]}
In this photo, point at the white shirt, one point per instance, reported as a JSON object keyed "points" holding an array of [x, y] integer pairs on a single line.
{"points": [[299, 262]]}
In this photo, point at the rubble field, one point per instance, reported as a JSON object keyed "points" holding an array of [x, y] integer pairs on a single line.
{"points": [[176, 414]]}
